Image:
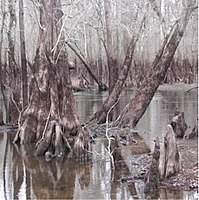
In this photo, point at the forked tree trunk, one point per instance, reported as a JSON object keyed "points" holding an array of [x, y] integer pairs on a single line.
{"points": [[50, 119], [170, 160], [100, 115], [143, 96]]}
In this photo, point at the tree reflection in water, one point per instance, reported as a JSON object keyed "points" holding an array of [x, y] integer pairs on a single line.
{"points": [[26, 177], [49, 180]]}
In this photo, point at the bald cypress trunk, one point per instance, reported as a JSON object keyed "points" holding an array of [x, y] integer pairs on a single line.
{"points": [[50, 118]]}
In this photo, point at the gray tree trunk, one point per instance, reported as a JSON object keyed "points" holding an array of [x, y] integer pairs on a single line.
{"points": [[23, 56], [50, 118], [143, 96]]}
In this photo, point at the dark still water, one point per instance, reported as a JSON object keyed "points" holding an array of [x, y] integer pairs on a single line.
{"points": [[22, 176]]}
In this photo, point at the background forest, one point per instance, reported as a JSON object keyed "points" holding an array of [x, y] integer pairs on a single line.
{"points": [[96, 30], [51, 50], [43, 44]]}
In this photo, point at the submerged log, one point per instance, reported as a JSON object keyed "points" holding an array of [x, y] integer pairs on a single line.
{"points": [[179, 125], [152, 177], [194, 132], [170, 161]]}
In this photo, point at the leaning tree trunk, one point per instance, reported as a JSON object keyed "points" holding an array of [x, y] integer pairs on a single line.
{"points": [[100, 115], [142, 97], [50, 118], [101, 85]]}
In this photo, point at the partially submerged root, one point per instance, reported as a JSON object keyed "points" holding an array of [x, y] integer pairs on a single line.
{"points": [[82, 147], [53, 143], [26, 132]]}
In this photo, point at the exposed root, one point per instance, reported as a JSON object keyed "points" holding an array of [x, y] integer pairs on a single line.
{"points": [[82, 146], [53, 142]]}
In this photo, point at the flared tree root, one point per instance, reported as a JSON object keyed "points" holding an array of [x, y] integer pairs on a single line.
{"points": [[53, 142], [82, 150]]}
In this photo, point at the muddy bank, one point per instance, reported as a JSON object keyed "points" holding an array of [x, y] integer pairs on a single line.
{"points": [[138, 158]]}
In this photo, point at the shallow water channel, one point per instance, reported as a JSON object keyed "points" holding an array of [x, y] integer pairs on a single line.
{"points": [[22, 176]]}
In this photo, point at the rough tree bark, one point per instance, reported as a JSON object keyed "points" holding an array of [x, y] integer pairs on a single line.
{"points": [[170, 161], [151, 181], [13, 72], [50, 119], [23, 56], [140, 100]]}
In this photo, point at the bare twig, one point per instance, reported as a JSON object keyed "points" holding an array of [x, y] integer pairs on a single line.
{"points": [[192, 89], [43, 134], [107, 136]]}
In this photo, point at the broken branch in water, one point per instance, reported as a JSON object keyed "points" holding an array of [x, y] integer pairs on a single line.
{"points": [[192, 88]]}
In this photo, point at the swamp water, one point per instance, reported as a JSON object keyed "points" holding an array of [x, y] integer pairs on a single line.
{"points": [[22, 176]]}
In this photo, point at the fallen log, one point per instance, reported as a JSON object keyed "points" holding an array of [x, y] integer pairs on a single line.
{"points": [[170, 161]]}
